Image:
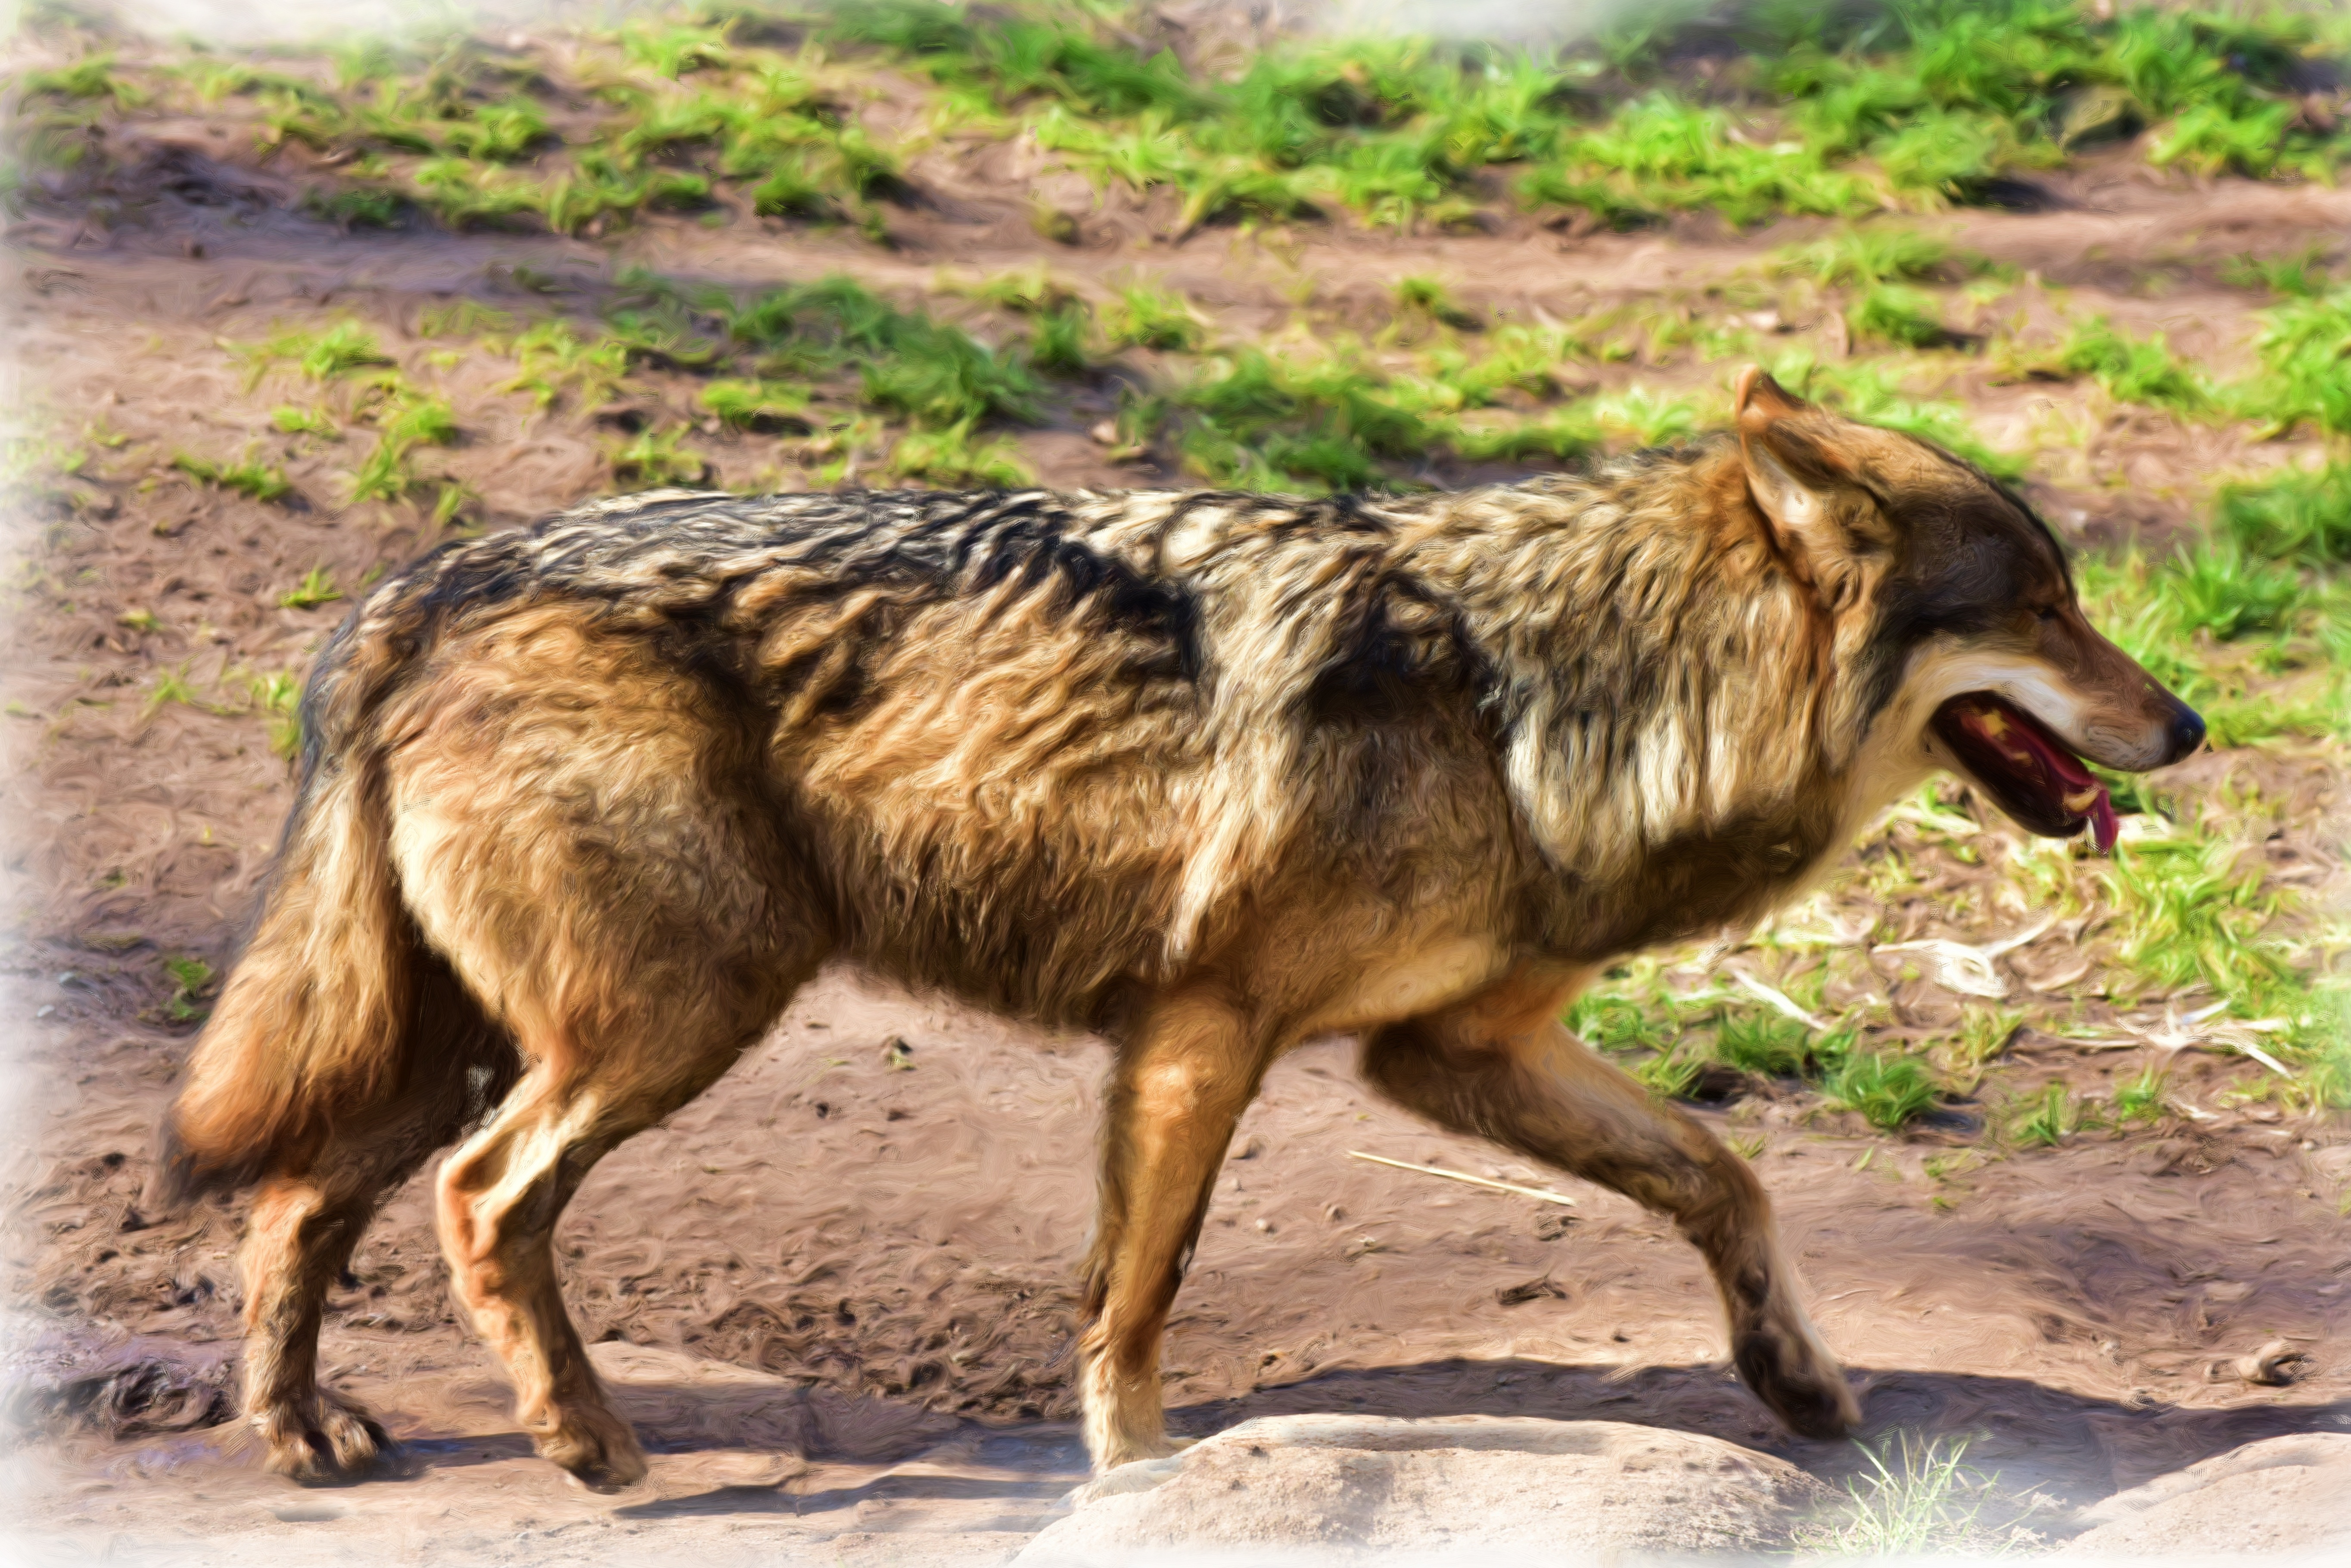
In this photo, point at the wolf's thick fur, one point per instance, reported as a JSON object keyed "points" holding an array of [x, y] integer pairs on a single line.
{"points": [[1209, 773]]}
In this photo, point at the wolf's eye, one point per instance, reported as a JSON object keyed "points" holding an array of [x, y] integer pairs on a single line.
{"points": [[2049, 614]]}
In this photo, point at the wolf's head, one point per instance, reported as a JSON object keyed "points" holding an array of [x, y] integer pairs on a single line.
{"points": [[1956, 628]]}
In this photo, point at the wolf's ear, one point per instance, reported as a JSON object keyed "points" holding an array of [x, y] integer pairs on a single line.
{"points": [[1793, 473]]}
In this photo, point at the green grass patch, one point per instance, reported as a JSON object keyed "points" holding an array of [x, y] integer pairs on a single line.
{"points": [[2050, 1118], [1758, 1040], [1430, 299], [1905, 318], [763, 405], [358, 206], [172, 685], [316, 587], [2220, 588], [1861, 255], [1888, 1091], [552, 358], [1672, 1040], [1984, 1033], [278, 698], [1917, 1500], [2299, 516], [405, 420], [93, 76], [2306, 350], [2303, 273], [1839, 111], [1141, 317], [248, 477], [468, 139], [324, 354], [657, 456], [191, 978], [953, 458], [2130, 369], [2140, 1098], [296, 421], [1025, 290], [2187, 909]]}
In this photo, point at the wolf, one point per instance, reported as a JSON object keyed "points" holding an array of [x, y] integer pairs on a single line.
{"points": [[1210, 774]]}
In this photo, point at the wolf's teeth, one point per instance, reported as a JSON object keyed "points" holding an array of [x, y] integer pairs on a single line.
{"points": [[2081, 800]]}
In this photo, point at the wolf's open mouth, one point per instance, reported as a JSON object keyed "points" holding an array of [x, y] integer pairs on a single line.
{"points": [[2031, 774]]}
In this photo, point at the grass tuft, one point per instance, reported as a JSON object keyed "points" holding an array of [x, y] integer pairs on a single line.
{"points": [[305, 421], [1861, 256], [1429, 297], [2187, 911], [260, 481], [2130, 369], [2140, 1099], [2050, 1119], [1146, 318], [1919, 1498], [1890, 1091], [655, 456], [1765, 1042], [2300, 516], [316, 587], [191, 978], [280, 699], [2221, 589]]}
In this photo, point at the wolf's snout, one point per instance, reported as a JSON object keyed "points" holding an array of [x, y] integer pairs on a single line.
{"points": [[2186, 732]]}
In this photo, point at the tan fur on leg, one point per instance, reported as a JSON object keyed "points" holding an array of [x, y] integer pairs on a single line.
{"points": [[498, 1198], [1175, 1095], [1504, 1068], [296, 1242]]}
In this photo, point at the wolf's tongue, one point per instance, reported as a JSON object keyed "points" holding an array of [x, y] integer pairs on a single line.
{"points": [[2023, 742], [2103, 826]]}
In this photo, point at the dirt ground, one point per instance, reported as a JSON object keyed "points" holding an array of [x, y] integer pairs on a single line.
{"points": [[877, 1216]]}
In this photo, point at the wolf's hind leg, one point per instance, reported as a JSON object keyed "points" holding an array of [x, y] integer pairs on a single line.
{"points": [[306, 1223], [297, 1238], [1179, 1086], [585, 826], [1502, 1067], [499, 1196]]}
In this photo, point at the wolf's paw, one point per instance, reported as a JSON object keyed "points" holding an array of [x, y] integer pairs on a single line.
{"points": [[325, 1437], [1128, 1448], [596, 1446], [1800, 1382]]}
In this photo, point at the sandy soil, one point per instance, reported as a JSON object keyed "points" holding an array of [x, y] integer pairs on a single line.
{"points": [[890, 1235]]}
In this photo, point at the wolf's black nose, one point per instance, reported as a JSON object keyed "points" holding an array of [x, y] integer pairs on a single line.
{"points": [[2187, 732]]}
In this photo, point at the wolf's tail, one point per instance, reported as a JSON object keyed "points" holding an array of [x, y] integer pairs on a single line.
{"points": [[311, 1032], [336, 1020]]}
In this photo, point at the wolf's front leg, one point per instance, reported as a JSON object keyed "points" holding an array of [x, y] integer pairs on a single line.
{"points": [[1180, 1084], [1502, 1067]]}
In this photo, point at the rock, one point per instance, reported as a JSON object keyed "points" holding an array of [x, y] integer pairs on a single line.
{"points": [[2278, 1496], [1348, 1487]]}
